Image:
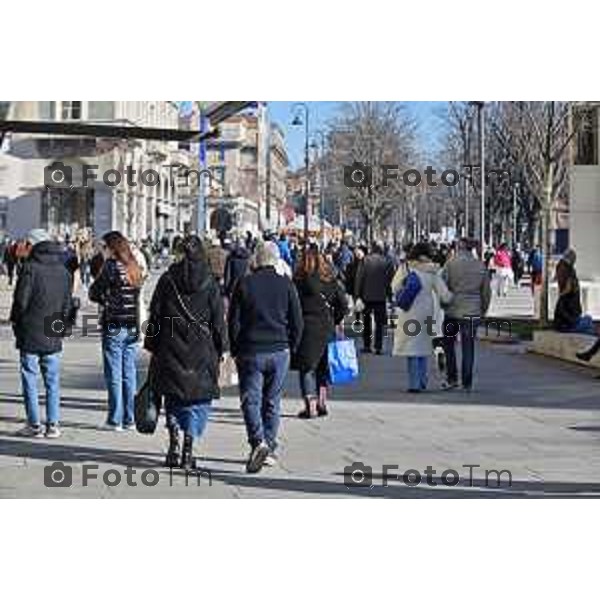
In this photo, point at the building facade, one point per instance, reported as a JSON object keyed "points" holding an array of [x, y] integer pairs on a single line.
{"points": [[248, 162], [585, 204], [75, 185]]}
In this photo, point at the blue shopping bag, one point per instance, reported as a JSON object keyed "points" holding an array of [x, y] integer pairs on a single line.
{"points": [[343, 361]]}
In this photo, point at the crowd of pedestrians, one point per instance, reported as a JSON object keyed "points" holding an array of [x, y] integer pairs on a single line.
{"points": [[266, 305]]}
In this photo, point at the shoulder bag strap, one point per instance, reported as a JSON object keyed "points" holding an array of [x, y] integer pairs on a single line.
{"points": [[202, 323]]}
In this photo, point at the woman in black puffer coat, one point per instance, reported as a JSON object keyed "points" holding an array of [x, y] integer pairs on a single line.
{"points": [[187, 338], [324, 306]]}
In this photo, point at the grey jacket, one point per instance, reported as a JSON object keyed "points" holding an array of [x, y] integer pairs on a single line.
{"points": [[468, 280]]}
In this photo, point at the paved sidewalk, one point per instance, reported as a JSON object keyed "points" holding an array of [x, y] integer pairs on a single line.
{"points": [[534, 416]]}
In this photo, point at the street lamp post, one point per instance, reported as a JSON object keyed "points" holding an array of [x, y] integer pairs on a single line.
{"points": [[481, 126], [319, 133], [297, 122], [201, 201]]}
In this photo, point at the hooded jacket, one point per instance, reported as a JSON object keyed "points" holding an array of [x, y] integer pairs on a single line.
{"points": [[186, 353], [42, 297]]}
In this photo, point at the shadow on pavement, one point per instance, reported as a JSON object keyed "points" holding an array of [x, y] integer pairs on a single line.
{"points": [[67, 402], [519, 489], [588, 428], [50, 451]]}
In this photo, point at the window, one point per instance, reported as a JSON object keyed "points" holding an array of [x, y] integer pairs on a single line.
{"points": [[586, 121], [100, 111], [47, 111], [71, 110]]}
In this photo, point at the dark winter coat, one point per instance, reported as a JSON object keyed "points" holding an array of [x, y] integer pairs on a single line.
{"points": [[41, 297], [235, 268], [185, 354], [324, 306], [119, 299], [373, 279], [265, 314], [350, 276], [568, 306]]}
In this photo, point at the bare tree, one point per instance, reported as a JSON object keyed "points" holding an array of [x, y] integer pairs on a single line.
{"points": [[372, 134], [538, 135]]}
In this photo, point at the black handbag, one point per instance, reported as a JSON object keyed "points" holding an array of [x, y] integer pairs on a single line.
{"points": [[147, 406]]}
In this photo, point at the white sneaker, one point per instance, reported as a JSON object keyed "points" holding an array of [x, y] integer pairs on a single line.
{"points": [[130, 427], [111, 427], [52, 431]]}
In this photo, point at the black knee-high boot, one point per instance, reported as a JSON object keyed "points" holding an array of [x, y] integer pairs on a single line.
{"points": [[187, 456], [173, 453]]}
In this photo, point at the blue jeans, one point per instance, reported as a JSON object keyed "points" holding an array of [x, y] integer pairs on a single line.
{"points": [[191, 418], [119, 349], [262, 377], [467, 329], [50, 367], [417, 372]]}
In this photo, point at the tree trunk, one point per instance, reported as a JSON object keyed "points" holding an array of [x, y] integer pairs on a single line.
{"points": [[534, 228], [546, 249]]}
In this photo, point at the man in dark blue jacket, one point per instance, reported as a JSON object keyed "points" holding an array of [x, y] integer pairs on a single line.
{"points": [[265, 323], [41, 304], [236, 267]]}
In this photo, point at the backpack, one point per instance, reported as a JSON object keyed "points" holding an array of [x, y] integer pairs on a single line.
{"points": [[411, 286]]}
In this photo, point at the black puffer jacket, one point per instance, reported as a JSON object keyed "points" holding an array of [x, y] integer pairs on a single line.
{"points": [[185, 361], [119, 299], [324, 305], [42, 296]]}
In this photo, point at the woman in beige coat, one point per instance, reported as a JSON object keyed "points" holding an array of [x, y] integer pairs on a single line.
{"points": [[416, 327]]}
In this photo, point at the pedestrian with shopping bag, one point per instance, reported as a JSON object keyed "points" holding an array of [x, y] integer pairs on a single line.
{"points": [[324, 306]]}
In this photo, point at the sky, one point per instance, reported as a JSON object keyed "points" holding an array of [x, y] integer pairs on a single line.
{"points": [[426, 115]]}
